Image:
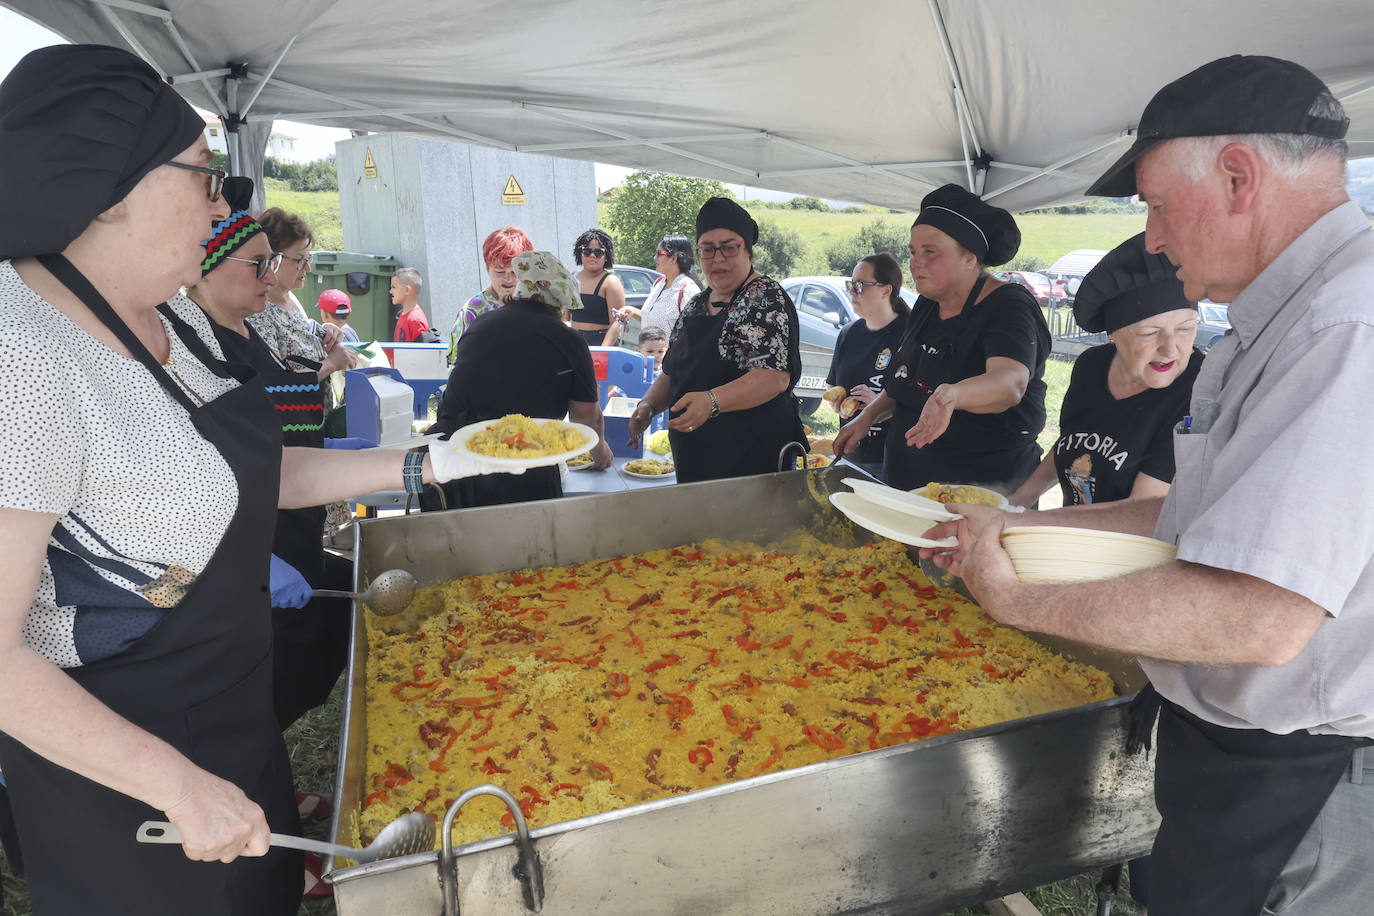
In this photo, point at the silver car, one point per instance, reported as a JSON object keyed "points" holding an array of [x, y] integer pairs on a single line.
{"points": [[822, 309]]}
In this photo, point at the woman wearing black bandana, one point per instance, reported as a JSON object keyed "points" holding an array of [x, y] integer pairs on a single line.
{"points": [[965, 390]]}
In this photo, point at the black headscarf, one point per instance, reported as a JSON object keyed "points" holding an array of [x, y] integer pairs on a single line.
{"points": [[80, 125], [1128, 285], [987, 231]]}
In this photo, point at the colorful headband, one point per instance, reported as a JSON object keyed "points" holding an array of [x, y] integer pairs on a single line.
{"points": [[229, 236]]}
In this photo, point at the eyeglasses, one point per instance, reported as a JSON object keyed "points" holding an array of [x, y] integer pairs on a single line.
{"points": [[263, 265], [588, 252], [728, 250], [217, 176], [857, 287], [662, 254], [302, 263]]}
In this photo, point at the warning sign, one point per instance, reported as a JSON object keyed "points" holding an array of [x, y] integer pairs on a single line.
{"points": [[512, 195], [369, 165]]}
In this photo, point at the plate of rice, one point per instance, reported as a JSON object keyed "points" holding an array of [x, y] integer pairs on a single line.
{"points": [[518, 441]]}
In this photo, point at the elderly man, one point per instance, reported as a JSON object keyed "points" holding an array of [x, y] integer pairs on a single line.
{"points": [[1259, 636]]}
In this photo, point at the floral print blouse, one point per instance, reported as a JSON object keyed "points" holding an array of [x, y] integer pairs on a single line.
{"points": [[756, 331], [480, 304]]}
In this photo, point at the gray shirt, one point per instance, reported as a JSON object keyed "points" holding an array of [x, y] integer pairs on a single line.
{"points": [[1275, 479]]}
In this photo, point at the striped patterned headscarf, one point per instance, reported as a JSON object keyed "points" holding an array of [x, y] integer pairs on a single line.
{"points": [[230, 234]]}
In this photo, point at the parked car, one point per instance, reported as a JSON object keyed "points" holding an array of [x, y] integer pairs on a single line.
{"points": [[637, 282], [1073, 267], [1047, 293], [822, 309], [1214, 320]]}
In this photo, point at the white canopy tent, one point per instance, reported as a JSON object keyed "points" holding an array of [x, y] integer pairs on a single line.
{"points": [[1024, 101]]}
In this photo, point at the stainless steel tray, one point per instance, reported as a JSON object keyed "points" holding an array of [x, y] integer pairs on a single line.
{"points": [[918, 828]]}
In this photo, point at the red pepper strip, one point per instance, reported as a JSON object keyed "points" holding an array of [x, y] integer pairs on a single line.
{"points": [[485, 728], [604, 770], [620, 684], [686, 634], [924, 591], [873, 732], [643, 562], [871, 640], [666, 659], [876, 589], [375, 797], [794, 574], [869, 701], [782, 643], [518, 579], [511, 440], [992, 671], [879, 624], [576, 789], [748, 643], [773, 758], [422, 688], [646, 598], [577, 586], [745, 727], [482, 747], [491, 767], [701, 757], [678, 708], [828, 741], [961, 640], [800, 683], [867, 570], [437, 765]]}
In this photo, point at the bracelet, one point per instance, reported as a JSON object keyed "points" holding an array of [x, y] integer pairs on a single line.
{"points": [[645, 402], [715, 405], [413, 472]]}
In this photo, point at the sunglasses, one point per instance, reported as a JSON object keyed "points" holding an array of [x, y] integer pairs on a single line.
{"points": [[589, 252], [215, 184], [662, 254], [728, 250], [858, 286], [263, 265]]}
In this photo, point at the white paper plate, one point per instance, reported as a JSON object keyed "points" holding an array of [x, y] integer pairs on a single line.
{"points": [[1001, 503], [460, 440], [582, 467], [901, 500], [900, 527], [1056, 554]]}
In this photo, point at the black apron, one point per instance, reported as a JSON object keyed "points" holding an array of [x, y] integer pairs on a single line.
{"points": [[201, 680], [906, 467], [310, 648], [739, 442], [1235, 803]]}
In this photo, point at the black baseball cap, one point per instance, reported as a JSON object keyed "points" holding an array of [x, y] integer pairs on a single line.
{"points": [[1241, 94]]}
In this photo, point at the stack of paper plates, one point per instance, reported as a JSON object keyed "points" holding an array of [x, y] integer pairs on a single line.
{"points": [[896, 514], [1052, 554]]}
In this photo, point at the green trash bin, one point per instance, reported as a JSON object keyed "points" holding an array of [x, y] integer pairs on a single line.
{"points": [[367, 280]]}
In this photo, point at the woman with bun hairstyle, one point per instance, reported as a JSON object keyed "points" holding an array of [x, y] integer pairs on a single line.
{"points": [[1117, 421], [865, 348], [966, 387]]}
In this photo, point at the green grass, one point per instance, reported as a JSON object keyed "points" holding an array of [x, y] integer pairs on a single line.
{"points": [[318, 208]]}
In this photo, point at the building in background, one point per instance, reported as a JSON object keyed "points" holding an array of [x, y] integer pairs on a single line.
{"points": [[280, 146], [431, 203]]}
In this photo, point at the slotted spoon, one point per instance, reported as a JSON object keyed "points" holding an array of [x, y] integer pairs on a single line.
{"points": [[407, 834], [389, 594]]}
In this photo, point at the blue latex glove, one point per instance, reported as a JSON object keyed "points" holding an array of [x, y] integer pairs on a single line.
{"points": [[351, 444], [288, 586]]}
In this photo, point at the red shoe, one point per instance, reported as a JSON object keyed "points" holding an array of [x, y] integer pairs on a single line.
{"points": [[313, 806], [315, 885]]}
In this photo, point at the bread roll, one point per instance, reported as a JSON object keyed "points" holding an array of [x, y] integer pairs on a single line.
{"points": [[834, 395], [849, 407]]}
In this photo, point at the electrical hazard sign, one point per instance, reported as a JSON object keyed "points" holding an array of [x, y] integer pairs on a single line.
{"points": [[369, 166], [513, 194]]}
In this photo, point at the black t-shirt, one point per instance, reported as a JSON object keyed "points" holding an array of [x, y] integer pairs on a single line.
{"points": [[1104, 443], [860, 358], [992, 449], [519, 358]]}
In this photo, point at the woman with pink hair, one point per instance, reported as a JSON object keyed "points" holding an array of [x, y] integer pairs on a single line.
{"points": [[497, 250]]}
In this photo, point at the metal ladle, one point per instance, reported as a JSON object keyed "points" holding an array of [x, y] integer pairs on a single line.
{"points": [[408, 834], [389, 594]]}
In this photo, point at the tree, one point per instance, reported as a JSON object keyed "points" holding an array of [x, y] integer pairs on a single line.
{"points": [[652, 205], [809, 203], [873, 237], [777, 249]]}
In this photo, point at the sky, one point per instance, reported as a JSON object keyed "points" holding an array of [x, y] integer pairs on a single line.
{"points": [[19, 36]]}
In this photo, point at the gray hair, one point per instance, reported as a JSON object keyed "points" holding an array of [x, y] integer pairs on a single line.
{"points": [[1297, 158], [409, 276]]}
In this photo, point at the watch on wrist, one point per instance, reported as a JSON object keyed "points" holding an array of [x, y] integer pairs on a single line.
{"points": [[715, 405]]}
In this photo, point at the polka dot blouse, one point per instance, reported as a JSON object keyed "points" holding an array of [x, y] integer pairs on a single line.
{"points": [[90, 436]]}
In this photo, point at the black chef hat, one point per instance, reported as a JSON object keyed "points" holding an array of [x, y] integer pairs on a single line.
{"points": [[1128, 285], [80, 125], [987, 231], [724, 213], [1233, 95]]}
